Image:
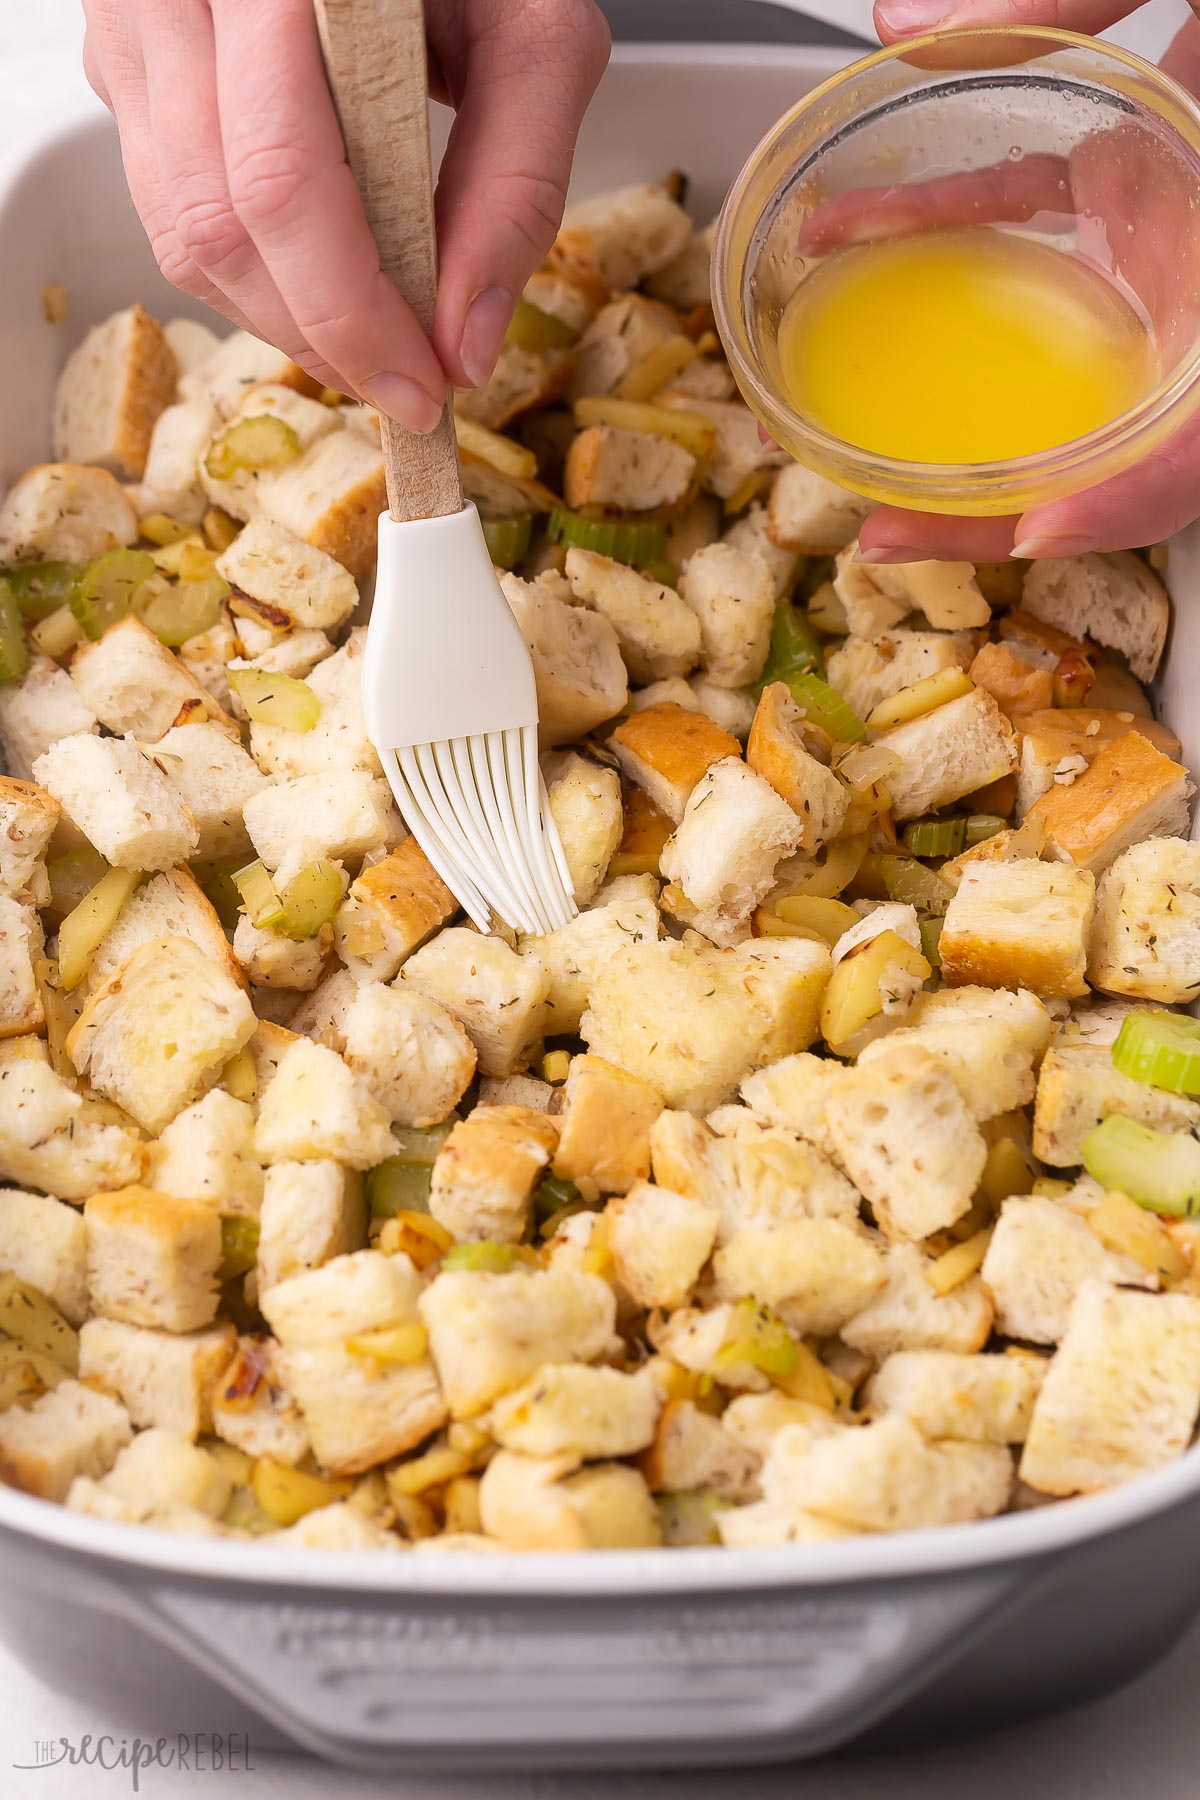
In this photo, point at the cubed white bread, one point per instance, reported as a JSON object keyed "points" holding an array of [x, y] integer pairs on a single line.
{"points": [[620, 237], [735, 829], [490, 1333], [1115, 599], [339, 738], [620, 336], [497, 995], [626, 471], [316, 1107], [1023, 924], [866, 670], [1079, 1086], [521, 380], [577, 664], [1121, 1397], [296, 653], [810, 514], [658, 633], [518, 1090], [64, 512], [571, 956], [191, 342], [133, 684], [43, 1243], [48, 1142], [311, 1213], [534, 1503], [265, 1050], [556, 292], [112, 388], [170, 482], [166, 1379], [1129, 792], [739, 454], [338, 1526], [235, 365], [270, 960], [160, 1471], [659, 1241], [757, 1175], [170, 904], [907, 1140], [685, 280], [762, 1526], [21, 944], [732, 593], [343, 814], [120, 800], [1146, 937], [816, 1274], [693, 1021], [207, 1153], [1015, 684], [888, 916], [155, 1035], [152, 1259], [415, 1057], [28, 817], [252, 1408], [907, 1314], [692, 1453], [873, 599], [270, 563], [208, 656], [1058, 744], [485, 1172], [730, 708], [1040, 1255], [321, 1015], [393, 907], [878, 596], [982, 1399], [991, 1042], [750, 532], [36, 712], [605, 1122], [777, 752], [755, 1420], [571, 1410], [243, 492], [703, 1340], [215, 778], [792, 1093], [585, 804], [72, 1430], [959, 747], [666, 749], [886, 1476]]}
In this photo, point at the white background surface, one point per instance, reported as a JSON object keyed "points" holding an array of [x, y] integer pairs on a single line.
{"points": [[1142, 1742]]}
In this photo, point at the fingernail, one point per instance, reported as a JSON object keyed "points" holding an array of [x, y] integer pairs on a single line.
{"points": [[487, 321], [1054, 546], [892, 553], [404, 400], [913, 15]]}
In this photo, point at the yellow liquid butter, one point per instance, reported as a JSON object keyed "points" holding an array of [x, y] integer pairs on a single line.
{"points": [[968, 346]]}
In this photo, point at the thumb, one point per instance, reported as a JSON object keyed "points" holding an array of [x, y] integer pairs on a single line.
{"points": [[904, 18], [529, 73]]}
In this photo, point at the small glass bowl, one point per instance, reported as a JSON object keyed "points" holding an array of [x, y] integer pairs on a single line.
{"points": [[1074, 143]]}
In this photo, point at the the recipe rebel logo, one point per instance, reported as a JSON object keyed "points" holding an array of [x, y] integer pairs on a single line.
{"points": [[201, 1753]]}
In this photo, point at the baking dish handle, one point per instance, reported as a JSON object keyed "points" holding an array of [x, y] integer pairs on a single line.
{"points": [[457, 1681]]}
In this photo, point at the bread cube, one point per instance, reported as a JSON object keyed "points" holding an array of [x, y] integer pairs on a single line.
{"points": [[113, 387], [207, 1153], [133, 684], [490, 1333], [660, 1241], [572, 955], [1079, 1086], [761, 1525], [152, 1259], [625, 471], [42, 1242], [343, 814], [571, 1410], [1020, 924], [166, 1379], [990, 1040], [21, 943], [72, 1430], [155, 1035], [811, 514], [666, 750], [776, 751], [763, 1176], [392, 908], [749, 531], [64, 512], [270, 960], [693, 1453], [907, 1140], [215, 778], [208, 656], [1058, 744], [585, 804], [311, 1212], [415, 1057], [170, 481], [167, 905], [953, 750], [906, 1314], [604, 1144], [878, 596], [495, 994], [246, 492], [739, 454], [520, 380], [619, 238], [982, 1399], [233, 367], [815, 1273], [886, 1476], [1015, 685], [1113, 598], [735, 829], [252, 1408], [526, 1504], [339, 1526], [28, 817], [316, 1107], [339, 738], [120, 799], [321, 1015], [792, 1093], [613, 343], [1120, 1398], [47, 1141], [1146, 937], [36, 712], [271, 564], [657, 631], [577, 664], [159, 1472], [485, 1172], [360, 1410], [732, 593], [1129, 792], [1040, 1256]]}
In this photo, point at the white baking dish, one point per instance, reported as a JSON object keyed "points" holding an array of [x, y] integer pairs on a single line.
{"points": [[653, 1657]]}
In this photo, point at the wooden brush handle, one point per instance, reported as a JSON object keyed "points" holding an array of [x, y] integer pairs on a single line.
{"points": [[375, 61]]}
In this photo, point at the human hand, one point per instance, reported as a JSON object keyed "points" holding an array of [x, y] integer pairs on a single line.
{"points": [[1144, 504], [236, 166]]}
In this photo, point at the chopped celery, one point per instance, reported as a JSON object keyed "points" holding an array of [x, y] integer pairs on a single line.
{"points": [[826, 707], [793, 647], [14, 651], [220, 890], [756, 1336], [911, 882], [532, 329], [552, 1194], [935, 837], [57, 633], [260, 902], [484, 1258], [635, 541], [551, 1223], [176, 613], [239, 1246], [84, 929], [106, 589], [507, 539], [259, 442], [493, 448], [421, 1146], [276, 699], [72, 876], [310, 899], [1161, 1048], [931, 941], [982, 826], [662, 570], [692, 431], [396, 1186], [1158, 1169], [41, 588]]}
